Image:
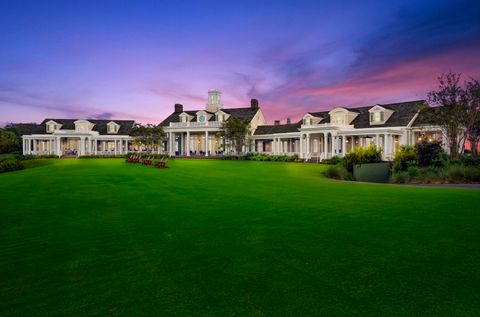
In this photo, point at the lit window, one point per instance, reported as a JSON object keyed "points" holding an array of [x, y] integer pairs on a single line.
{"points": [[339, 119], [377, 116]]}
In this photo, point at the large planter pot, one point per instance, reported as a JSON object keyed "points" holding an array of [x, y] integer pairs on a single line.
{"points": [[372, 172]]}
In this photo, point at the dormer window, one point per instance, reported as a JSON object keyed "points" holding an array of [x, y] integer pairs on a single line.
{"points": [[307, 121], [379, 114], [112, 127], [342, 116], [338, 119], [220, 118], [51, 126], [201, 118], [185, 117]]}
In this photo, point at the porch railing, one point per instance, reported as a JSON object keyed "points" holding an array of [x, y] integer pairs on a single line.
{"points": [[212, 124]]}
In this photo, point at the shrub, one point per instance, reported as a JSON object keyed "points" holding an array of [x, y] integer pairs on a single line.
{"points": [[11, 165], [405, 158], [456, 173], [442, 160], [468, 160], [362, 155], [472, 173], [334, 160], [400, 177], [265, 157], [337, 172], [412, 171], [28, 157], [427, 152]]}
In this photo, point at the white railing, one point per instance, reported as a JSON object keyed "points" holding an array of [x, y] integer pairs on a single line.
{"points": [[325, 125], [212, 124]]}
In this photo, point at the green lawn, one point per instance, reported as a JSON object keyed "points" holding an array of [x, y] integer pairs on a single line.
{"points": [[223, 238]]}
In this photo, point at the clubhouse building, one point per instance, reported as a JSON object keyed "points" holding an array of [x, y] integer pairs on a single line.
{"points": [[317, 136]]}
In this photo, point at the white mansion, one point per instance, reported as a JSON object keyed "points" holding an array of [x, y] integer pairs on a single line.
{"points": [[318, 136]]}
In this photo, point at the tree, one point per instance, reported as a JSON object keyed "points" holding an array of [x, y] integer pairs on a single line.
{"points": [[472, 95], [451, 111], [148, 135], [20, 129], [235, 132], [9, 142]]}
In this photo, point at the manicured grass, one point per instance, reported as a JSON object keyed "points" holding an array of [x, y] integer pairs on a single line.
{"points": [[222, 238]]}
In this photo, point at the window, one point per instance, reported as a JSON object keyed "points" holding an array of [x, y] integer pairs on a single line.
{"points": [[377, 116], [220, 118], [307, 121], [112, 127], [339, 119], [201, 118], [50, 127]]}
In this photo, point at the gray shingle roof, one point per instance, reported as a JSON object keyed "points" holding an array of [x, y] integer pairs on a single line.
{"points": [[402, 115], [424, 117], [280, 128], [99, 125], [246, 114]]}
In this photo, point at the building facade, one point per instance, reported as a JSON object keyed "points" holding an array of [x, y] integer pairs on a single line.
{"points": [[194, 132], [317, 136], [71, 137], [321, 135]]}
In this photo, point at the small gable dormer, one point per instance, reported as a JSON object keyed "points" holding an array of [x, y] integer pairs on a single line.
{"points": [[203, 116], [51, 126], [341, 116], [379, 115], [221, 116], [185, 117], [112, 127], [309, 119], [83, 126]]}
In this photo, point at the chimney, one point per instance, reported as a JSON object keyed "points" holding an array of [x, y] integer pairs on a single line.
{"points": [[254, 103], [276, 122], [289, 121], [178, 107]]}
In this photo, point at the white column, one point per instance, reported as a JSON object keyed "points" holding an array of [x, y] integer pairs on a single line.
{"points": [[170, 143], [344, 145], [57, 143], [301, 145], [187, 144], [206, 143], [308, 144], [387, 146], [82, 146], [95, 147], [334, 145], [325, 145]]}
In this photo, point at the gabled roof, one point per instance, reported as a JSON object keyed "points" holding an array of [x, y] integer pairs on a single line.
{"points": [[99, 125], [279, 128], [246, 114], [401, 117]]}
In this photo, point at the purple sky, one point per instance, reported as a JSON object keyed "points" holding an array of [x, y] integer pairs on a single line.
{"points": [[135, 59]]}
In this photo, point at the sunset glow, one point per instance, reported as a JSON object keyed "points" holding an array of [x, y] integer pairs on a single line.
{"points": [[134, 60]]}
